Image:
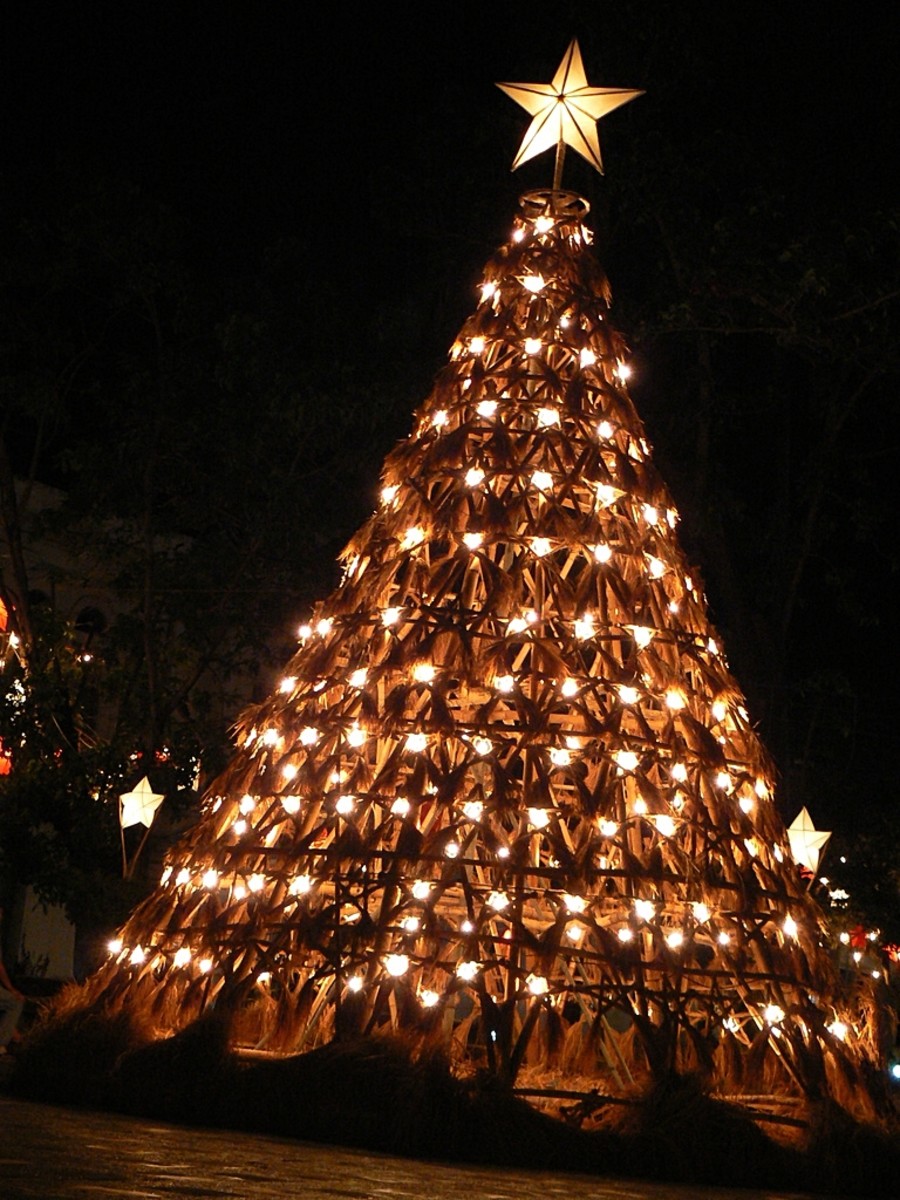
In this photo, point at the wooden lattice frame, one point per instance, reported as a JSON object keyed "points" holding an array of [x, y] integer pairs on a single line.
{"points": [[508, 796]]}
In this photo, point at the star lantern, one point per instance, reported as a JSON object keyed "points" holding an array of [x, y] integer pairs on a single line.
{"points": [[807, 842], [565, 112], [139, 806]]}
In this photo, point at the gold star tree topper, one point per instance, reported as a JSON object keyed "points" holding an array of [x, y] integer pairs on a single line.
{"points": [[565, 112]]}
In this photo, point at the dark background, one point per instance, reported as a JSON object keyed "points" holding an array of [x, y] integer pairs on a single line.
{"points": [[342, 177]]}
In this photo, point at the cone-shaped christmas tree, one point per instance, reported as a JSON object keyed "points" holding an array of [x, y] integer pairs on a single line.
{"points": [[508, 798]]}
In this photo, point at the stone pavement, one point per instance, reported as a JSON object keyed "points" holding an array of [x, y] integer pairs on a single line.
{"points": [[49, 1153]]}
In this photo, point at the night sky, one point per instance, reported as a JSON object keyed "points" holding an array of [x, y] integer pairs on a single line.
{"points": [[380, 143]]}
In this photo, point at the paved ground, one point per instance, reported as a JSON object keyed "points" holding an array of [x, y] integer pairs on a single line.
{"points": [[58, 1154]]}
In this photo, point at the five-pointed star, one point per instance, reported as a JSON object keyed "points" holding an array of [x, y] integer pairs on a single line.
{"points": [[139, 807], [806, 841], [566, 110]]}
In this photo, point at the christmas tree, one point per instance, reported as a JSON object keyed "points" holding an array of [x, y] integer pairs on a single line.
{"points": [[508, 799]]}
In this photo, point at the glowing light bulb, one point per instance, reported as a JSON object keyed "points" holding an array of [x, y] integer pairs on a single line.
{"points": [[414, 536], [428, 998], [626, 760], [625, 934], [533, 283], [723, 781], [623, 371], [645, 909], [675, 700], [839, 1029], [488, 289], [210, 878], [137, 955], [205, 965], [389, 493], [474, 476], [482, 745], [560, 757], [287, 684], [390, 616], [439, 420], [666, 825], [271, 737], [401, 807], [587, 357], [355, 983], [416, 742], [543, 224], [239, 828], [719, 710], [609, 828], [486, 408], [504, 684], [605, 430], [542, 480], [290, 804], [451, 850], [679, 772], [410, 924], [628, 694], [606, 493], [183, 876], [761, 788], [640, 807], [584, 627], [724, 939], [747, 804], [656, 567], [423, 672], [247, 804], [114, 945], [304, 632], [533, 345], [301, 885], [642, 635], [789, 926], [773, 1014], [476, 345], [540, 546], [539, 817], [473, 540], [701, 911], [358, 677], [547, 417], [574, 904], [674, 939], [324, 626], [344, 805], [467, 970], [396, 965], [256, 883], [421, 889], [602, 552], [498, 901], [538, 985]]}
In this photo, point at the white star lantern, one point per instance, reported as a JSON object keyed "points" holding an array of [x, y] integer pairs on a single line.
{"points": [[139, 807], [807, 842], [565, 112]]}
